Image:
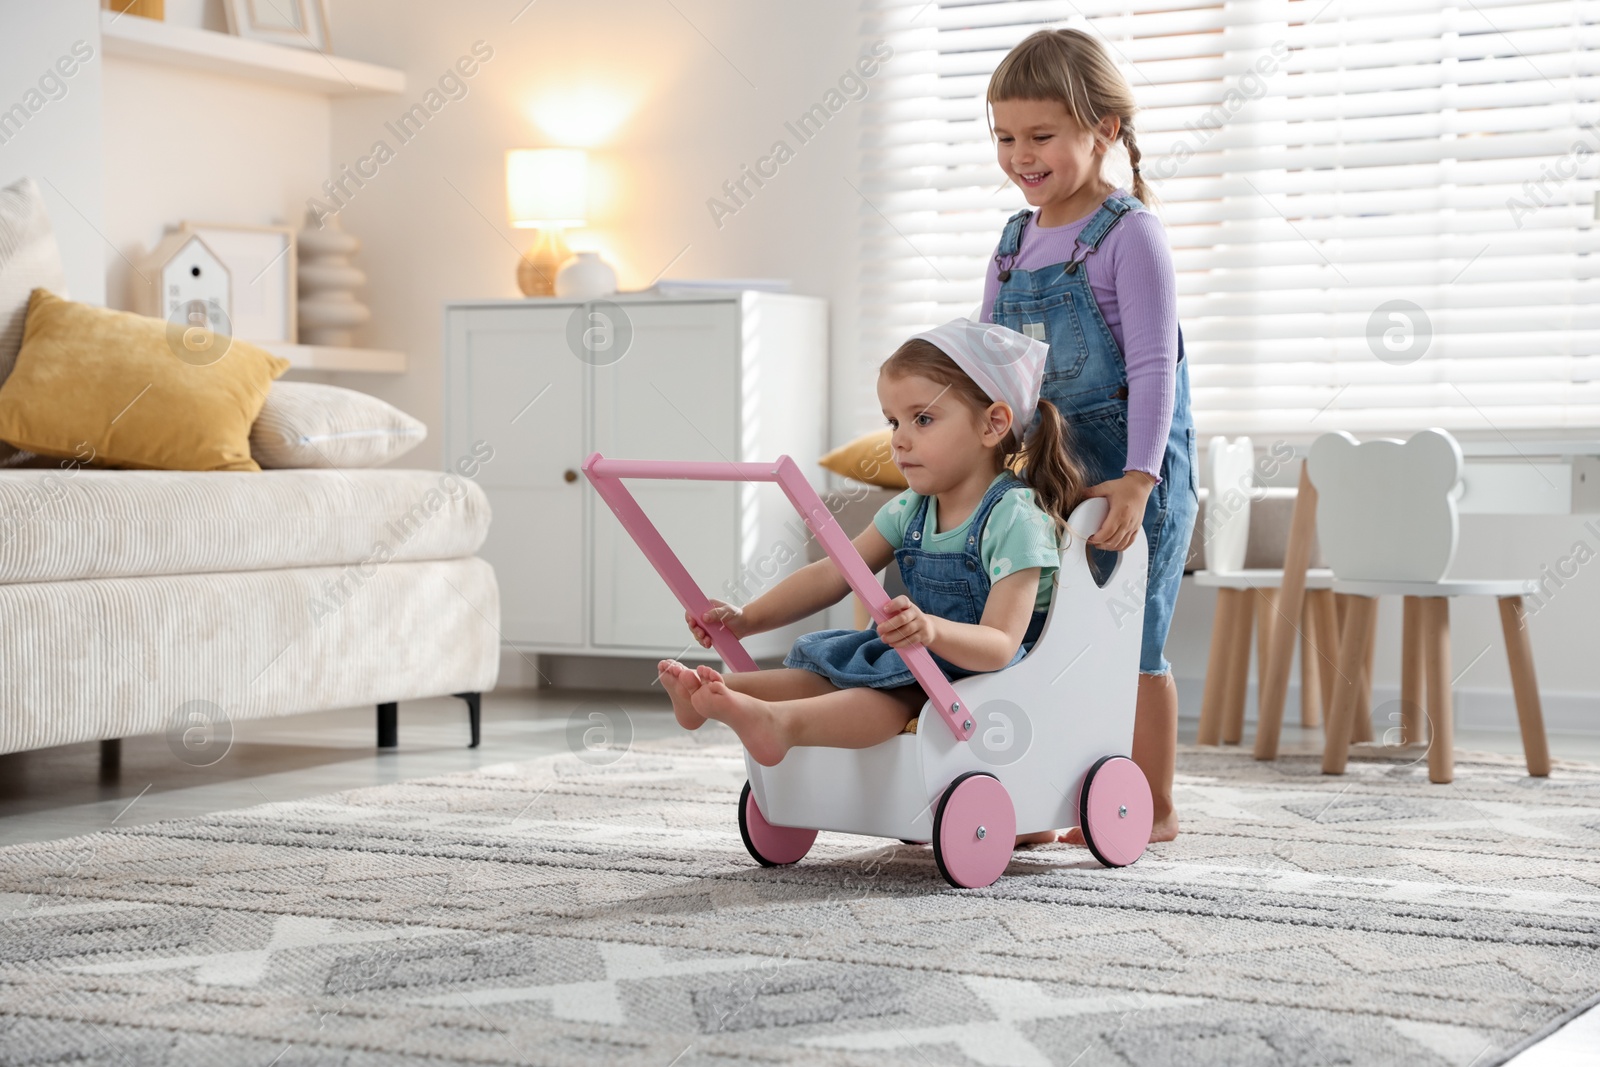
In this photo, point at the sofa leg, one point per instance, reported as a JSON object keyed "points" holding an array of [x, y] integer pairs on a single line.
{"points": [[474, 715], [389, 725], [110, 758]]}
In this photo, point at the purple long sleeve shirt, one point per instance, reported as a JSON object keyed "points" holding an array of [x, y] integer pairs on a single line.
{"points": [[1132, 269]]}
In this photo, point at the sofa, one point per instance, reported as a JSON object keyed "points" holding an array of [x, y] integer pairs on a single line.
{"points": [[183, 600], [140, 601]]}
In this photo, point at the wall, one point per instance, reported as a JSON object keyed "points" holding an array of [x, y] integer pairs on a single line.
{"points": [[59, 144], [184, 144], [671, 99]]}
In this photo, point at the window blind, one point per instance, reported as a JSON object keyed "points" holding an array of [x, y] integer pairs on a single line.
{"points": [[1381, 212]]}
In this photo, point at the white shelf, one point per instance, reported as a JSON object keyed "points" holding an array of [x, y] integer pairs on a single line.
{"points": [[323, 357], [145, 39]]}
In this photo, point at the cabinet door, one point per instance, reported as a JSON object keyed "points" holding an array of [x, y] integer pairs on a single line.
{"points": [[514, 383], [673, 395]]}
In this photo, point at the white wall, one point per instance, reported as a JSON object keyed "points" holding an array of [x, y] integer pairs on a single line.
{"points": [[58, 144], [663, 102], [182, 144]]}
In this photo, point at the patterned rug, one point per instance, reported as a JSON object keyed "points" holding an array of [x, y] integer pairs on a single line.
{"points": [[563, 913]]}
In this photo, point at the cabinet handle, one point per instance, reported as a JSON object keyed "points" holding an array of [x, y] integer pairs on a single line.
{"points": [[570, 475]]}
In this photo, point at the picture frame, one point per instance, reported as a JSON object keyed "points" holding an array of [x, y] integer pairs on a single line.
{"points": [[262, 261], [295, 23]]}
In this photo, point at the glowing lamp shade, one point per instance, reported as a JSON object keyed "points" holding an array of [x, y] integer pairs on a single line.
{"points": [[546, 187]]}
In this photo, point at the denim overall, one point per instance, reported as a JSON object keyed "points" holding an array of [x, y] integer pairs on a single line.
{"points": [[1086, 378], [951, 585]]}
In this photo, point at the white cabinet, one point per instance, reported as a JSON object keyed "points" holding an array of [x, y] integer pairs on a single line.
{"points": [[735, 376]]}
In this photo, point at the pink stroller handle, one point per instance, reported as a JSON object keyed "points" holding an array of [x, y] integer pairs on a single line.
{"points": [[606, 476]]}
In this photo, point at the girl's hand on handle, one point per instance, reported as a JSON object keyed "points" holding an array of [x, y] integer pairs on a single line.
{"points": [[906, 625], [1127, 496], [731, 617]]}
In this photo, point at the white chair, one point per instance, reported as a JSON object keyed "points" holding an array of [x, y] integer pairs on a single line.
{"points": [[1247, 596], [1387, 524]]}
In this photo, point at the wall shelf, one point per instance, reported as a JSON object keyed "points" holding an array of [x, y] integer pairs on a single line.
{"points": [[326, 358], [132, 37]]}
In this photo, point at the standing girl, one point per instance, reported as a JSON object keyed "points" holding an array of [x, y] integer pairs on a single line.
{"points": [[1089, 272], [978, 547]]}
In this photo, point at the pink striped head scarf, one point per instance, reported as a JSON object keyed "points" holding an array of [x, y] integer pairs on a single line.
{"points": [[1007, 365]]}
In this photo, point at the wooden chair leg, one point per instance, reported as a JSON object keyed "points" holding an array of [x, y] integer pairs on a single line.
{"points": [[1412, 672], [1441, 724], [1238, 668], [1360, 616], [1519, 653], [1327, 646], [1361, 731], [1291, 596], [1266, 623], [1310, 680], [1217, 666]]}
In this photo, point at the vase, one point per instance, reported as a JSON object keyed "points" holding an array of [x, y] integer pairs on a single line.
{"points": [[586, 276]]}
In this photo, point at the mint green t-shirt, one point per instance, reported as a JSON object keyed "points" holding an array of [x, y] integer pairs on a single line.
{"points": [[1019, 534]]}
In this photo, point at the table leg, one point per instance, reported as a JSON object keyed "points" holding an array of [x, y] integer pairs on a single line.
{"points": [[1412, 671], [1238, 668], [1525, 686], [1291, 596], [1217, 666], [1310, 676], [1266, 616], [1441, 725], [1360, 616], [1327, 646], [1362, 730]]}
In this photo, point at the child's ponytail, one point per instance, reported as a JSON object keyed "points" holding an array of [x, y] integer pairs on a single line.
{"points": [[1051, 468]]}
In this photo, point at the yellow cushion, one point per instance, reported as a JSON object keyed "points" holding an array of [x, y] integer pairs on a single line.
{"points": [[91, 382], [867, 459], [870, 458]]}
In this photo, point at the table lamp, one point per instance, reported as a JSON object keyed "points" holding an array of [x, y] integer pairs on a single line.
{"points": [[545, 190]]}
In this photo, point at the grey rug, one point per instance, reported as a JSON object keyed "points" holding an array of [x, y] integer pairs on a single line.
{"points": [[562, 913]]}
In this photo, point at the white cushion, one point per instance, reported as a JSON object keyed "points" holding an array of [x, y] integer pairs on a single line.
{"points": [[29, 259], [303, 424]]}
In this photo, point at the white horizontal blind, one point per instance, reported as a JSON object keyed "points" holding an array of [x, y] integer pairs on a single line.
{"points": [[1381, 212]]}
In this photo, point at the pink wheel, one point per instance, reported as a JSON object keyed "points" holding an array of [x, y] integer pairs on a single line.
{"points": [[1116, 811], [772, 846], [974, 831]]}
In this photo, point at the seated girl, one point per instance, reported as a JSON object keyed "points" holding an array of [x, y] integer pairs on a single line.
{"points": [[977, 546]]}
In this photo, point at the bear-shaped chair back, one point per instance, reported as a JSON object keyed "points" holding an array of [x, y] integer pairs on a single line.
{"points": [[1386, 509], [1230, 484]]}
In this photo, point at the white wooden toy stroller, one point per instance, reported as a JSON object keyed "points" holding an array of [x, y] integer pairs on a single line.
{"points": [[1040, 745]]}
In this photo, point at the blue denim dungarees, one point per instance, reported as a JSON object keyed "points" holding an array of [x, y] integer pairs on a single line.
{"points": [[1087, 380], [951, 585]]}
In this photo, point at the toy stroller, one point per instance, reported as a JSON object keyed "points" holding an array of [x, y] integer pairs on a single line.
{"points": [[1039, 745]]}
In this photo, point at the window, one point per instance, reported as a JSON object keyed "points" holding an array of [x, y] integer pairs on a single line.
{"points": [[1381, 212]]}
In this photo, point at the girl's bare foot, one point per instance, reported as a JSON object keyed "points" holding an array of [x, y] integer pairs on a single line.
{"points": [[680, 683], [1165, 829], [753, 720]]}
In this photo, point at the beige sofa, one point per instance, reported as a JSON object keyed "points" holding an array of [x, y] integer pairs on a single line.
{"points": [[141, 601]]}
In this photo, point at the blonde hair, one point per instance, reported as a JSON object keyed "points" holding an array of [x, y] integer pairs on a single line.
{"points": [[1072, 68], [1049, 466]]}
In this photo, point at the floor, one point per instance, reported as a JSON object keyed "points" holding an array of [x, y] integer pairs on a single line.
{"points": [[63, 791]]}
